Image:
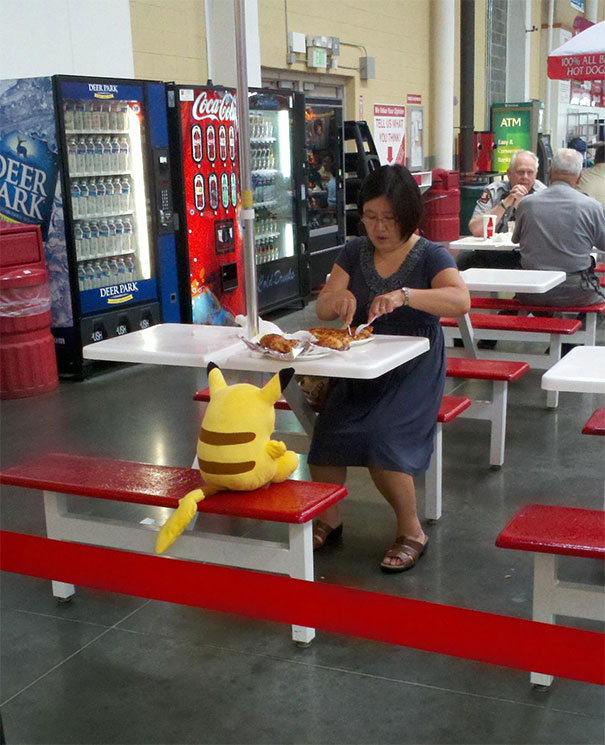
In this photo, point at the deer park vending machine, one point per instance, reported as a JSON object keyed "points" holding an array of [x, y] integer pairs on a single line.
{"points": [[87, 160]]}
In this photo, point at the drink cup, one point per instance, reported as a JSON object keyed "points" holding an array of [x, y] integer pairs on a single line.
{"points": [[489, 226]]}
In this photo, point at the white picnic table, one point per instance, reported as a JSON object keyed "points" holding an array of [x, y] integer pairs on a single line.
{"points": [[499, 242], [503, 280], [581, 370]]}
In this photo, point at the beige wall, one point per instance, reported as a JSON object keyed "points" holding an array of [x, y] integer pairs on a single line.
{"points": [[169, 40], [394, 32]]}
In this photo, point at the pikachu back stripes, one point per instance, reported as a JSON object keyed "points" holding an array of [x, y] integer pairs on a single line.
{"points": [[236, 430]]}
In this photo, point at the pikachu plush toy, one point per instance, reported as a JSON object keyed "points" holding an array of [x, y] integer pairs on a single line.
{"points": [[235, 449]]}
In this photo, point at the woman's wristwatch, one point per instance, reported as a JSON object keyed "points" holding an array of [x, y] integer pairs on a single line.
{"points": [[406, 295]]}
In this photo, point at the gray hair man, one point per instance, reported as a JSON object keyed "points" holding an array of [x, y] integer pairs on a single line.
{"points": [[501, 199], [557, 230]]}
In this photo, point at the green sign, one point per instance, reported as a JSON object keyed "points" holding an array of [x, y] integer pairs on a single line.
{"points": [[512, 131]]}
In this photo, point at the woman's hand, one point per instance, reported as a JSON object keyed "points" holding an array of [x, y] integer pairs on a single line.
{"points": [[336, 300], [344, 305], [387, 303]]}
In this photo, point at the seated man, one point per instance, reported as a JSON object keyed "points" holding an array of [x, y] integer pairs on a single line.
{"points": [[501, 199], [557, 230]]}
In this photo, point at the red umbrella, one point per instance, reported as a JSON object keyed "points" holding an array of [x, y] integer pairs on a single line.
{"points": [[580, 58]]}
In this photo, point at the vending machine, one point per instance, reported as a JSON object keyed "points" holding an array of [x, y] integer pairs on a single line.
{"points": [[278, 164], [324, 140], [205, 154], [87, 160]]}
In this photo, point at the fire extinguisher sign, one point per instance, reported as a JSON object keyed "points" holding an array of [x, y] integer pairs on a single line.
{"points": [[389, 133]]}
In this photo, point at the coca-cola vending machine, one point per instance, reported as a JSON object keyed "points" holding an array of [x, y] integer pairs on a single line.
{"points": [[204, 151]]}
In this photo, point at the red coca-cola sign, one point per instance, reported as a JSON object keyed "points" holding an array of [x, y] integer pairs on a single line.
{"points": [[209, 105]]}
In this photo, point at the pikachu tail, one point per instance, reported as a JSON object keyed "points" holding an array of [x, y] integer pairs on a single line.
{"points": [[180, 518]]}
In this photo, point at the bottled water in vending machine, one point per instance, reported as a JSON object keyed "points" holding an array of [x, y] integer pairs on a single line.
{"points": [[86, 117], [75, 198], [93, 208], [101, 203], [108, 187], [89, 160], [115, 155], [81, 155], [94, 239], [78, 240], [72, 155], [84, 198], [124, 158], [68, 116], [112, 239], [78, 116], [125, 195], [123, 273], [104, 238], [127, 240], [85, 226], [99, 152], [117, 196], [130, 269]]}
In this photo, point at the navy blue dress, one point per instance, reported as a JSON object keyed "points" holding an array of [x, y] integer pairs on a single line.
{"points": [[387, 422]]}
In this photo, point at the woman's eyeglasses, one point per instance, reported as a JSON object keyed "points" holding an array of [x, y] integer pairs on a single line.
{"points": [[372, 221]]}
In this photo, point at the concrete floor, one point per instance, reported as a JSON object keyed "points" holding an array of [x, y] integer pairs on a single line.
{"points": [[116, 669]]}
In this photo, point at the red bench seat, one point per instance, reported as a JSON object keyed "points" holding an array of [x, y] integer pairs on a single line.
{"points": [[518, 323], [162, 486], [556, 530], [494, 303], [550, 531], [465, 367], [596, 424]]}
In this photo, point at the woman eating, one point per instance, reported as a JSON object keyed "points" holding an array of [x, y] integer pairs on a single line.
{"points": [[402, 283]]}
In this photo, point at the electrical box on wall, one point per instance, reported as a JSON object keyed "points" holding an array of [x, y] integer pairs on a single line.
{"points": [[367, 68]]}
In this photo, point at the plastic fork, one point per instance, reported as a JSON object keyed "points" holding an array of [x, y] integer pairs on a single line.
{"points": [[363, 326]]}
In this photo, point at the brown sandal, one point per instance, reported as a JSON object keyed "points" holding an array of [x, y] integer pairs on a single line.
{"points": [[324, 533], [407, 551]]}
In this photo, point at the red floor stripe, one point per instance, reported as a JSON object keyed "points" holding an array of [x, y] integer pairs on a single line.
{"points": [[556, 650]]}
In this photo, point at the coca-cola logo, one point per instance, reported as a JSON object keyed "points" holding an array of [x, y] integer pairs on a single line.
{"points": [[219, 107]]}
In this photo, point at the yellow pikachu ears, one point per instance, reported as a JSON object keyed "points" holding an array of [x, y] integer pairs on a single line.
{"points": [[270, 392], [216, 381]]}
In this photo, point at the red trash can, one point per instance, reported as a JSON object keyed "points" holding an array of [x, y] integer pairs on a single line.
{"points": [[441, 218], [28, 362]]}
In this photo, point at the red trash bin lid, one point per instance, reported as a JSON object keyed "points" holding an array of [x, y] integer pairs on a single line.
{"points": [[23, 277]]}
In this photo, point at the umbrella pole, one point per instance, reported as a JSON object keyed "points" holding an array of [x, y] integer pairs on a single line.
{"points": [[247, 210]]}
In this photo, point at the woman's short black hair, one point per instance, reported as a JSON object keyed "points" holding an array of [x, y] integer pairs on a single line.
{"points": [[398, 185]]}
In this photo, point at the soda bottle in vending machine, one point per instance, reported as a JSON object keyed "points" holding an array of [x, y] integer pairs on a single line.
{"points": [[213, 191], [196, 143], [222, 142], [225, 190], [199, 192], [233, 189], [232, 143], [211, 143]]}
